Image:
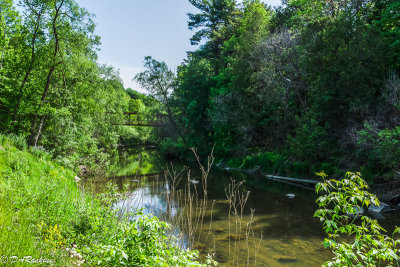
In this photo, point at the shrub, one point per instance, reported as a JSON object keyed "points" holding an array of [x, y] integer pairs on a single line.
{"points": [[355, 242], [143, 242], [310, 139], [13, 140], [380, 147], [170, 148], [268, 161]]}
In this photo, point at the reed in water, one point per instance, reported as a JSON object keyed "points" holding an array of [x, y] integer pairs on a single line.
{"points": [[190, 212]]}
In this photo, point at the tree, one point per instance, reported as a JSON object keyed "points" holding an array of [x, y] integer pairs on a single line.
{"points": [[160, 82], [10, 32], [237, 107], [213, 21], [68, 26], [191, 98], [7, 17], [387, 19], [52, 91]]}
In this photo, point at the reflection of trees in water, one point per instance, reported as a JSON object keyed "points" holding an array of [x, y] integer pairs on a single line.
{"points": [[203, 224]]}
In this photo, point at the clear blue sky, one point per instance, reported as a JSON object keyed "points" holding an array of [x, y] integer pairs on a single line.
{"points": [[133, 29]]}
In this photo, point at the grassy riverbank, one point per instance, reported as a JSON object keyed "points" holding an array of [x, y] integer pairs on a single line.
{"points": [[46, 216]]}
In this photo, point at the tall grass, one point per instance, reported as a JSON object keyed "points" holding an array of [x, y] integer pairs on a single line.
{"points": [[242, 233], [190, 212], [13, 140], [32, 190], [193, 206], [44, 214], [186, 208]]}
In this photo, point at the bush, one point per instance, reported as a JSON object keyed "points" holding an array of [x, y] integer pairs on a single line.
{"points": [[144, 243], [268, 161], [381, 148], [173, 149], [354, 242], [13, 140], [310, 139]]}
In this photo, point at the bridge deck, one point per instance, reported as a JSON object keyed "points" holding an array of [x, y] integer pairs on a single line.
{"points": [[142, 120]]}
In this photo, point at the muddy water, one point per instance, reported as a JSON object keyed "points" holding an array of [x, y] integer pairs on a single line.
{"points": [[282, 232]]}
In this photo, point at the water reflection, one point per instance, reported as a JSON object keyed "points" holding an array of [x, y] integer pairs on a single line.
{"points": [[144, 199], [283, 231]]}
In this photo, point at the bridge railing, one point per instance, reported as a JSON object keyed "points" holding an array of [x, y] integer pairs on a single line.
{"points": [[139, 119]]}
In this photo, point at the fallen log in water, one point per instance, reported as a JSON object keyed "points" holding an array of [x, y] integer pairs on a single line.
{"points": [[297, 180], [289, 180], [311, 188]]}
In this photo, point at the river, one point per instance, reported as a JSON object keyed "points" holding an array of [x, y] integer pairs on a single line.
{"points": [[268, 229]]}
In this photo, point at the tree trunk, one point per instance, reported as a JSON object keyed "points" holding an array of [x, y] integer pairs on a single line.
{"points": [[30, 67], [34, 122], [4, 39], [2, 52], [36, 139], [32, 131]]}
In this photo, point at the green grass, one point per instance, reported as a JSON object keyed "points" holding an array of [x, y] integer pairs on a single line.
{"points": [[32, 189], [43, 213]]}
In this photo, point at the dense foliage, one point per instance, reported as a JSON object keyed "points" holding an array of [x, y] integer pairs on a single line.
{"points": [[45, 215], [315, 81], [354, 241], [52, 91]]}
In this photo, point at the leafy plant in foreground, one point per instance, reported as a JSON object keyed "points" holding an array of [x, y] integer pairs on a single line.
{"points": [[144, 243], [355, 240]]}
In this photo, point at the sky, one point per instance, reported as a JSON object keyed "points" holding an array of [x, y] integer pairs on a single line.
{"points": [[133, 29]]}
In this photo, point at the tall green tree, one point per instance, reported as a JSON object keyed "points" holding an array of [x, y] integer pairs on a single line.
{"points": [[67, 26], [11, 41], [8, 24], [213, 24], [307, 78], [191, 99], [387, 19], [236, 108]]}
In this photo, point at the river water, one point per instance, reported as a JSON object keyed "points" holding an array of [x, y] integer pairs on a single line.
{"points": [[269, 229]]}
